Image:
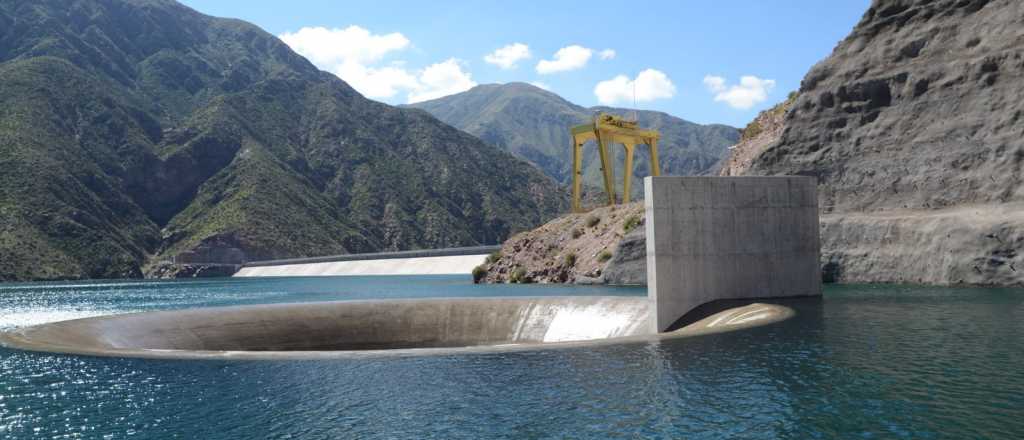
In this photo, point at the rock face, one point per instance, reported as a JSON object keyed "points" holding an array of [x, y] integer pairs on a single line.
{"points": [[167, 270], [581, 248], [761, 133], [965, 245], [914, 127], [628, 265], [533, 124], [132, 131]]}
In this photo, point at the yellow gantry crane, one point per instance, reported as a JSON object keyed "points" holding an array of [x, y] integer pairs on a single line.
{"points": [[607, 129]]}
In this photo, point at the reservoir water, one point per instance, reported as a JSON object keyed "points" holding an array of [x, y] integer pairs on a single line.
{"points": [[862, 362]]}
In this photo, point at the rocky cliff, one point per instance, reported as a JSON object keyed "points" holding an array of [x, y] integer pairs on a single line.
{"points": [[914, 127]]}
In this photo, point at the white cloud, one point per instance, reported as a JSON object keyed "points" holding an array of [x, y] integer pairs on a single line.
{"points": [[328, 47], [507, 57], [607, 54], [750, 91], [567, 58], [714, 83], [355, 55], [649, 85], [541, 85], [441, 79], [383, 82]]}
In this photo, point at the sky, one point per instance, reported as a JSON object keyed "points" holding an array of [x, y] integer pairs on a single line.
{"points": [[704, 61]]}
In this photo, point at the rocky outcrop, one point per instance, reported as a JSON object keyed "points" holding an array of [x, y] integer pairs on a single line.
{"points": [[628, 265], [914, 127], [168, 270], [758, 135], [601, 246]]}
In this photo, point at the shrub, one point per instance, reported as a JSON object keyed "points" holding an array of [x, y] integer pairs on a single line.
{"points": [[519, 276], [570, 259], [631, 223], [576, 233], [593, 221], [493, 258], [604, 256], [751, 130], [479, 273]]}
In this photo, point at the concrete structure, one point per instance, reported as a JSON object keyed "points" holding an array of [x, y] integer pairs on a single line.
{"points": [[366, 328], [710, 242], [604, 130], [420, 262], [715, 238]]}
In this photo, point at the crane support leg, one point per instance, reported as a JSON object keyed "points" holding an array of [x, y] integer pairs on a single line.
{"points": [[655, 167], [606, 168], [628, 182], [577, 173]]}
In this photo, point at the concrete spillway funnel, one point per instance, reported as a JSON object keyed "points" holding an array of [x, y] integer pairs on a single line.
{"points": [[715, 238], [369, 328]]}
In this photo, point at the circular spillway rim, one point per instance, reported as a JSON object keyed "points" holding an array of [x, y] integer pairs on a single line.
{"points": [[732, 319]]}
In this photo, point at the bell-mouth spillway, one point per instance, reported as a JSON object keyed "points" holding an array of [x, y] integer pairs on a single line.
{"points": [[371, 328]]}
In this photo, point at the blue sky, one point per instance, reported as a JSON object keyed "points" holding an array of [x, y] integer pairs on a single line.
{"points": [[708, 61]]}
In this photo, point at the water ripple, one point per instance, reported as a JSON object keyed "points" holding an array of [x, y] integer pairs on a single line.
{"points": [[867, 361]]}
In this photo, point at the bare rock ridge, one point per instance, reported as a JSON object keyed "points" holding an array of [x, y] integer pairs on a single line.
{"points": [[914, 129]]}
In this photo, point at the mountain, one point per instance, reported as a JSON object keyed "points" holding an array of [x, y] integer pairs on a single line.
{"points": [[914, 129], [134, 131], [533, 124]]}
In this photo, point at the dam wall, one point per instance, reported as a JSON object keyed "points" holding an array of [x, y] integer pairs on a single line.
{"points": [[717, 238], [419, 262]]}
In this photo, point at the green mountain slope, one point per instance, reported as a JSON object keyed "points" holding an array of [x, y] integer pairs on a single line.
{"points": [[132, 131], [533, 124]]}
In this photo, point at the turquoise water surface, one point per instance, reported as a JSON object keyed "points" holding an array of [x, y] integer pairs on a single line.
{"points": [[863, 362]]}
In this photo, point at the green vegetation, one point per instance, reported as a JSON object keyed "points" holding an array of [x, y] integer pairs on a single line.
{"points": [[751, 130], [479, 273], [518, 275], [631, 223], [570, 259], [116, 151], [604, 256], [593, 221], [493, 257]]}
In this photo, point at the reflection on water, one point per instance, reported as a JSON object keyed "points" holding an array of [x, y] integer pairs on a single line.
{"points": [[866, 361]]}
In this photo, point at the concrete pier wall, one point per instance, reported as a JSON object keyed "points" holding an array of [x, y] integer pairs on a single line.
{"points": [[420, 262], [714, 238]]}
